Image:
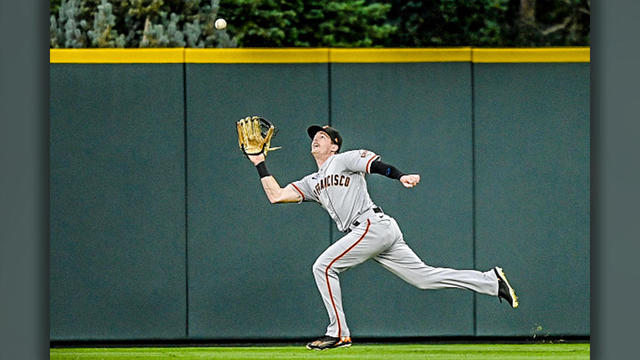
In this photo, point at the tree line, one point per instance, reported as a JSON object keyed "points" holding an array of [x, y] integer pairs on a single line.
{"points": [[319, 23]]}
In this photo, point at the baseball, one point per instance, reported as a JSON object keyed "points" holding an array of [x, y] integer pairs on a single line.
{"points": [[221, 24]]}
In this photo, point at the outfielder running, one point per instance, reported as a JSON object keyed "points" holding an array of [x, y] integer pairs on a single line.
{"points": [[340, 187]]}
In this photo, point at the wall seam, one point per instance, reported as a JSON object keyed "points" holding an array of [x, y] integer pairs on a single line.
{"points": [[186, 198], [473, 193], [330, 123]]}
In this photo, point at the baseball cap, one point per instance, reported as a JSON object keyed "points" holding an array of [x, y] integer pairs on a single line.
{"points": [[333, 133]]}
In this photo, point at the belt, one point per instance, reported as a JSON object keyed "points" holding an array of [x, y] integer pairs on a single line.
{"points": [[355, 223]]}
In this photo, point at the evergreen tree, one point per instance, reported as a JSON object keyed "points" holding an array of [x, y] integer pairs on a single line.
{"points": [[103, 35], [316, 23], [427, 23], [70, 27]]}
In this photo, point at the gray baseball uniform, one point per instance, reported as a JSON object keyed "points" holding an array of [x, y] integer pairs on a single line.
{"points": [[340, 187]]}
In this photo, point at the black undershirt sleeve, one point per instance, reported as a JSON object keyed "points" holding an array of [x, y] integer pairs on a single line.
{"points": [[387, 170]]}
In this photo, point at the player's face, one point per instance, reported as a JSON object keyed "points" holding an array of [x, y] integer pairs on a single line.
{"points": [[321, 143]]}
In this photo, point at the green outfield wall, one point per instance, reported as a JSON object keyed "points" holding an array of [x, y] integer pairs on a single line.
{"points": [[117, 204], [160, 229]]}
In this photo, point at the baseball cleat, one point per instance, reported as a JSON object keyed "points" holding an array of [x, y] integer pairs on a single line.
{"points": [[329, 342], [505, 291]]}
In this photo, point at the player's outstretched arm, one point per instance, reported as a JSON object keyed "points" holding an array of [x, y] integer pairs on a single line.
{"points": [[274, 192], [390, 171]]}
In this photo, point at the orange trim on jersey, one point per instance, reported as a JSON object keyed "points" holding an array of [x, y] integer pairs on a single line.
{"points": [[369, 163], [295, 187], [326, 274]]}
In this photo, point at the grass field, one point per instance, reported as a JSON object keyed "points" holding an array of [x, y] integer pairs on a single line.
{"points": [[374, 352]]}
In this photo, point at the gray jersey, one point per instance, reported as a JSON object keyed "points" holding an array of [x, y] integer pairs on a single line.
{"points": [[339, 186]]}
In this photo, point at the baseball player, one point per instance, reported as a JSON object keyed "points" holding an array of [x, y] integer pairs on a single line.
{"points": [[340, 187]]}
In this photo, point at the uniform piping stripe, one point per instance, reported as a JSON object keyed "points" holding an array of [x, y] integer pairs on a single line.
{"points": [[369, 163], [326, 274], [301, 194]]}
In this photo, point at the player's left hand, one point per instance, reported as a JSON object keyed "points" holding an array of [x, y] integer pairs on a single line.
{"points": [[254, 135], [410, 180]]}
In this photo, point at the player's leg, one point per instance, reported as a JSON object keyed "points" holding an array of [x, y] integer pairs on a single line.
{"points": [[354, 248], [403, 262]]}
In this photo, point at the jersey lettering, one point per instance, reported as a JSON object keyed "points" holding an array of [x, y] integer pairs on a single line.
{"points": [[340, 186], [331, 180]]}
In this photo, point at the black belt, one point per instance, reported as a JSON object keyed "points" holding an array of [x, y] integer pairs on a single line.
{"points": [[356, 222]]}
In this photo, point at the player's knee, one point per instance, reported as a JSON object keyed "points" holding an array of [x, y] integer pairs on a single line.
{"points": [[319, 267]]}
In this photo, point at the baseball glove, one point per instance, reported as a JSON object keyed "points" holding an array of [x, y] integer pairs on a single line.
{"points": [[254, 135]]}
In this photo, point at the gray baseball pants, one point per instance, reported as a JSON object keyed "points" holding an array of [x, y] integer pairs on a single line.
{"points": [[380, 238]]}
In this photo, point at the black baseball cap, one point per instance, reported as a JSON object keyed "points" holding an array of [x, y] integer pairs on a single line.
{"points": [[333, 133]]}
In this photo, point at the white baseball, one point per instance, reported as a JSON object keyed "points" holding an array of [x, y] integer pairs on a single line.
{"points": [[221, 24]]}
